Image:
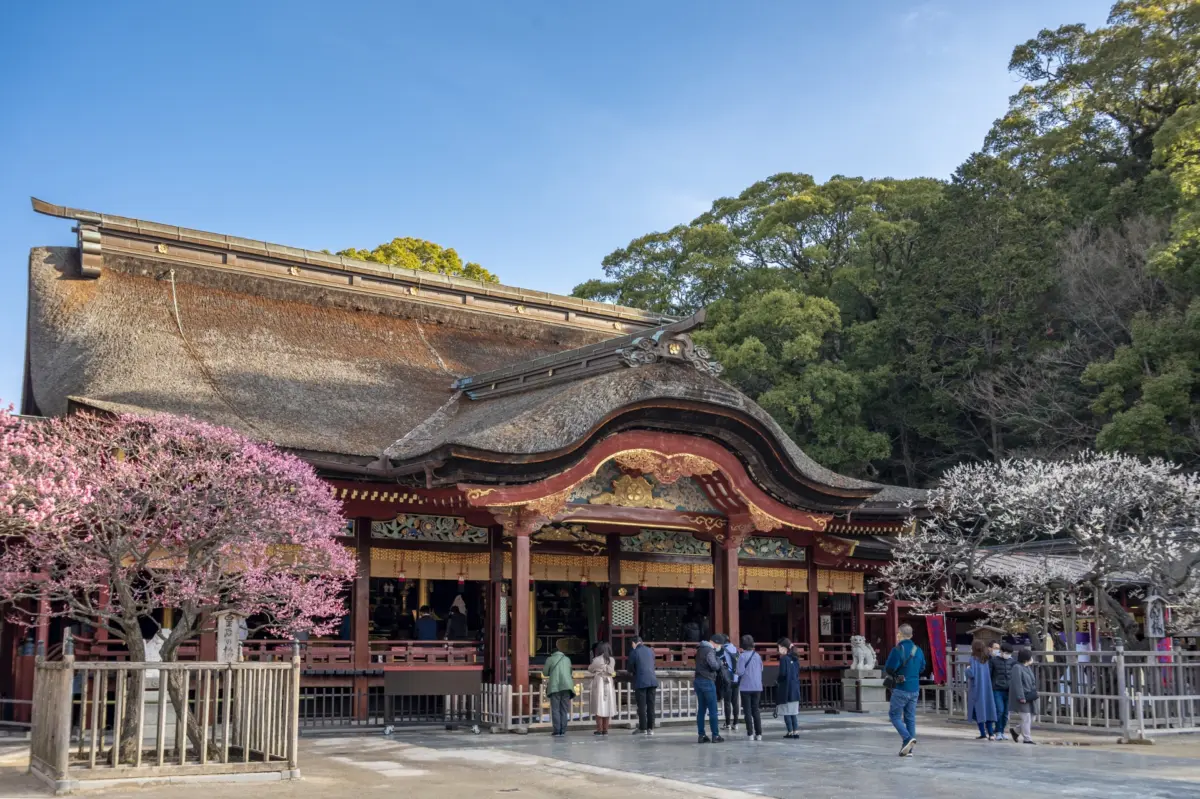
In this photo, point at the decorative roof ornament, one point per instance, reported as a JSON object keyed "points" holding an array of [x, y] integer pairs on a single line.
{"points": [[677, 348]]}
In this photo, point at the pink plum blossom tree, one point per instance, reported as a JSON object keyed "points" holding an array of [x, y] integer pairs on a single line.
{"points": [[113, 517], [1021, 539]]}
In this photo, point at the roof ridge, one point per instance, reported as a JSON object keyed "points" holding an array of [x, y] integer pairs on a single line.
{"points": [[488, 297], [668, 343]]}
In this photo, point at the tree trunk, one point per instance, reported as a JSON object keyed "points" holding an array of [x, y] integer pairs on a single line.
{"points": [[134, 692], [175, 685]]}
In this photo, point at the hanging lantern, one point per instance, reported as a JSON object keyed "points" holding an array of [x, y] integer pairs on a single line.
{"points": [[582, 578], [461, 581], [691, 584], [400, 574]]}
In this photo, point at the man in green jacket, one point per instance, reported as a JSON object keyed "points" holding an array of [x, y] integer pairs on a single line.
{"points": [[560, 687]]}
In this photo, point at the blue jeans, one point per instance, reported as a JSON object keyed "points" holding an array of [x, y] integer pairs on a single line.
{"points": [[903, 713], [1001, 698], [706, 696]]}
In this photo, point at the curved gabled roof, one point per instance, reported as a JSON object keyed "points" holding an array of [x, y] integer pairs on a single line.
{"points": [[346, 361]]}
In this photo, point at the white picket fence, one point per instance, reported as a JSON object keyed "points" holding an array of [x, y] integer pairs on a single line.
{"points": [[1139, 694], [508, 708]]}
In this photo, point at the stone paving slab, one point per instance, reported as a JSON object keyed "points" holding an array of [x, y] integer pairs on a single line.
{"points": [[840, 757]]}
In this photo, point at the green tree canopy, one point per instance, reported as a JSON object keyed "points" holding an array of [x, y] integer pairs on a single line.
{"points": [[423, 256], [1042, 301]]}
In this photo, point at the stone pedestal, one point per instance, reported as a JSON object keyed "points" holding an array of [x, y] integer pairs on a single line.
{"points": [[863, 691]]}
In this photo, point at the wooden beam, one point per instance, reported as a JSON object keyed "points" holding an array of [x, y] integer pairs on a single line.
{"points": [[494, 643], [361, 608], [519, 632]]}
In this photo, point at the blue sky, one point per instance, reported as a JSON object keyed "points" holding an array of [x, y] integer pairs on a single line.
{"points": [[534, 137]]}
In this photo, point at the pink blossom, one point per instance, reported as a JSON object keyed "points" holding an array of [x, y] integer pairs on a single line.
{"points": [[166, 512]]}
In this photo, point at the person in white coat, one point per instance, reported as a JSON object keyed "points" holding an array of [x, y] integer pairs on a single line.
{"points": [[604, 693]]}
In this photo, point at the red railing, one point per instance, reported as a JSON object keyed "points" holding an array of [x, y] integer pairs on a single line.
{"points": [[313, 654], [404, 653], [114, 650], [679, 654]]}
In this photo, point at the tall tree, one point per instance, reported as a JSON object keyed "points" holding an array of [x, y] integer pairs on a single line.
{"points": [[422, 256]]}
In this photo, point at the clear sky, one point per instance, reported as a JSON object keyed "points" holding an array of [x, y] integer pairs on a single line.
{"points": [[534, 137]]}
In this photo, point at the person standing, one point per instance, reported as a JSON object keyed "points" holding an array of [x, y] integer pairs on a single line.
{"points": [[1022, 695], [727, 653], [560, 687], [981, 705], [645, 684], [604, 695], [1000, 666], [705, 686], [456, 622], [787, 688], [749, 676], [426, 626], [905, 663]]}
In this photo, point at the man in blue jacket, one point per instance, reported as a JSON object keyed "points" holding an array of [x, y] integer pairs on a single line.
{"points": [[645, 684], [905, 664]]}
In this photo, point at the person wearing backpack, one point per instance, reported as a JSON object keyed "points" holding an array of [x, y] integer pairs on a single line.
{"points": [[902, 673], [749, 676], [787, 688], [727, 654]]}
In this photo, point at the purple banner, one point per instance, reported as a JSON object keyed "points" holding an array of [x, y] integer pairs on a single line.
{"points": [[936, 625]]}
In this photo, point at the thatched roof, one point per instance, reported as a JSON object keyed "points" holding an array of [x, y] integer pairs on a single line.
{"points": [[370, 368], [324, 370]]}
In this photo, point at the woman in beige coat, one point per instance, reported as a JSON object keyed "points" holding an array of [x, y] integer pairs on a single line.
{"points": [[604, 695]]}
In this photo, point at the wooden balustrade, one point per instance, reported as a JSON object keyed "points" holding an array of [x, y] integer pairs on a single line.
{"points": [[106, 720], [401, 653]]}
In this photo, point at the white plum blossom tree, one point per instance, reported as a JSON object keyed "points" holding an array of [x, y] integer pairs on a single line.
{"points": [[1004, 537]]}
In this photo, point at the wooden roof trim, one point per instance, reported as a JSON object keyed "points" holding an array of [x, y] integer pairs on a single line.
{"points": [[569, 310], [587, 361]]}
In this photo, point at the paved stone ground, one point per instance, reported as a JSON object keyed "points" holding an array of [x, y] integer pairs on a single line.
{"points": [[837, 757], [844, 757]]}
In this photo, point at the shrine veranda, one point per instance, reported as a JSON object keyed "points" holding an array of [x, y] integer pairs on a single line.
{"points": [[575, 471]]}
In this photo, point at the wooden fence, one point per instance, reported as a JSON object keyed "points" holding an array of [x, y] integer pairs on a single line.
{"points": [[94, 722], [1138, 694]]}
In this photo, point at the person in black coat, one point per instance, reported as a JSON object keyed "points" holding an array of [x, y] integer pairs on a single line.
{"points": [[787, 688], [640, 664]]}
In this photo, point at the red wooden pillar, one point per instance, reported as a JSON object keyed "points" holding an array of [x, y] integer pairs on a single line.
{"points": [[519, 633], [893, 624], [860, 623], [814, 633], [43, 620], [813, 616], [101, 634], [360, 623], [729, 565], [496, 620], [717, 610]]}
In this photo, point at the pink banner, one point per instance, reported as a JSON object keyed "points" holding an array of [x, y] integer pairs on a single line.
{"points": [[936, 625]]}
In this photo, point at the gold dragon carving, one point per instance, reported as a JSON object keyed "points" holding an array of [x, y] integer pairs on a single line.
{"points": [[631, 492]]}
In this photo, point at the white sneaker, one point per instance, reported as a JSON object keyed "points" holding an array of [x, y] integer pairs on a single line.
{"points": [[758, 737]]}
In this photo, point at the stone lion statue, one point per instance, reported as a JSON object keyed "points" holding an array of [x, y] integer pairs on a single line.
{"points": [[864, 656]]}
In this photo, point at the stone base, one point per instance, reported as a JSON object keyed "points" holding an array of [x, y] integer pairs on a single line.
{"points": [[864, 694], [862, 674]]}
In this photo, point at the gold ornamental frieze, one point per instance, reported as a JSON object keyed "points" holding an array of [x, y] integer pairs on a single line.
{"points": [[666, 468]]}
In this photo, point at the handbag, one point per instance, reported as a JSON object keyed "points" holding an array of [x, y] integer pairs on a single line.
{"points": [[890, 675]]}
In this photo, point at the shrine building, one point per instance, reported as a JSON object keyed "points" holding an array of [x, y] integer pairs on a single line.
{"points": [[574, 471]]}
